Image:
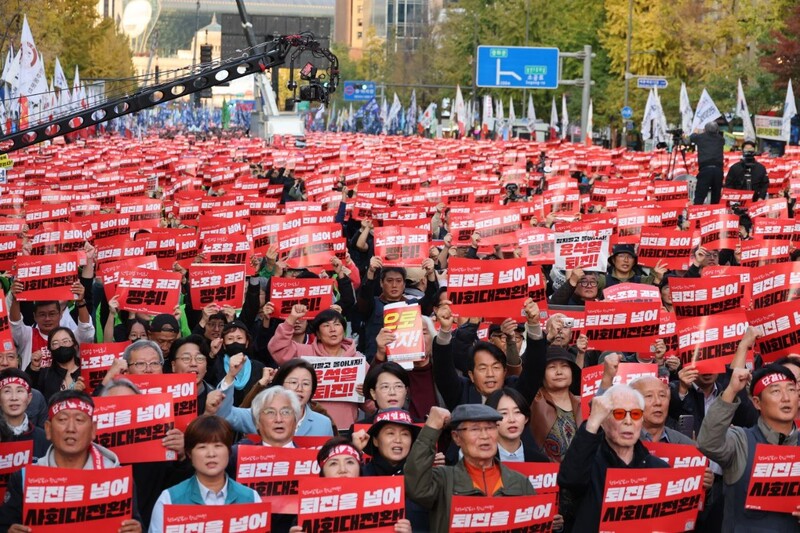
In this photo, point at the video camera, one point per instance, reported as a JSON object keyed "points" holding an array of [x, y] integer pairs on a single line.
{"points": [[316, 90]]}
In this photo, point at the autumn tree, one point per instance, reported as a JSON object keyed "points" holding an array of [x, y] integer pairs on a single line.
{"points": [[782, 57]]}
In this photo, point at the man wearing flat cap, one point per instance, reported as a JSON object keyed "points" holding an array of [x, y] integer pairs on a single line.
{"points": [[478, 473]]}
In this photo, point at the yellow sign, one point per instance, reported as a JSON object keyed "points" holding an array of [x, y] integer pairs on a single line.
{"points": [[5, 162]]}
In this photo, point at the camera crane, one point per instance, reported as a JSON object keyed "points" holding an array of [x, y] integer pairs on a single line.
{"points": [[318, 88]]}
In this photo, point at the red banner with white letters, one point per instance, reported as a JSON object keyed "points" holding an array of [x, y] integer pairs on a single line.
{"points": [[759, 252], [149, 291], [610, 323], [10, 247], [310, 246], [109, 272], [713, 338], [275, 473], [651, 499], [696, 297], [774, 479], [399, 246], [133, 426], [182, 388], [671, 247], [779, 326], [774, 284], [47, 277], [68, 500], [542, 476], [218, 284], [495, 226], [315, 294], [537, 244], [537, 286], [487, 288], [96, 359], [510, 513], [336, 505], [217, 518], [591, 377], [677, 455], [227, 249], [632, 292], [13, 456], [719, 232]]}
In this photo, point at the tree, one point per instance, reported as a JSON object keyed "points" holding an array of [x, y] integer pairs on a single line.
{"points": [[782, 57]]}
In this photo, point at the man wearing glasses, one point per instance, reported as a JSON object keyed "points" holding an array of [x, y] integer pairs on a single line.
{"points": [[479, 473], [608, 439], [580, 287]]}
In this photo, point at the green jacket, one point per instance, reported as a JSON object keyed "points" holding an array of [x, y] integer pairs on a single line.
{"points": [[433, 488]]}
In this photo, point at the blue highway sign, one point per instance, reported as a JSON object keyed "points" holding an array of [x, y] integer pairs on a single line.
{"points": [[357, 90], [518, 67]]}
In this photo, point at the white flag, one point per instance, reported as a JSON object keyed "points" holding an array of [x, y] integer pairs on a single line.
{"points": [[589, 124], [512, 115], [564, 116], [10, 68], [531, 114], [59, 79], [501, 116], [2, 118], [687, 115], [744, 113], [32, 79], [706, 112], [789, 111], [554, 116], [488, 113], [460, 112], [428, 116], [394, 110], [660, 119], [647, 119]]}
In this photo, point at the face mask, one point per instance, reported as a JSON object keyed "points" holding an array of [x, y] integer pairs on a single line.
{"points": [[63, 354], [235, 348]]}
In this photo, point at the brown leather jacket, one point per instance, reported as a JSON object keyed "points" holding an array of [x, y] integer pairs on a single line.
{"points": [[544, 415]]}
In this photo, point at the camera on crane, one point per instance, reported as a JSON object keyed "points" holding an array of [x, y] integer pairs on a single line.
{"points": [[316, 90]]}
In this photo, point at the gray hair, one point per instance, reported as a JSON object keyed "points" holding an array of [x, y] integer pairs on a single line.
{"points": [[140, 345], [643, 380], [120, 382], [266, 396], [621, 389]]}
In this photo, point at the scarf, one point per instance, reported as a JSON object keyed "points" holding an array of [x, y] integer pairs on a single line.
{"points": [[243, 377], [20, 429]]}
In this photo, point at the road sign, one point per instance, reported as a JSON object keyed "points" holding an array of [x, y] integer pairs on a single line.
{"points": [[627, 112], [518, 67], [357, 90], [651, 83]]}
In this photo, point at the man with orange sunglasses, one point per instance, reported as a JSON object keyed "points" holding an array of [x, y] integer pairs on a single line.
{"points": [[608, 439]]}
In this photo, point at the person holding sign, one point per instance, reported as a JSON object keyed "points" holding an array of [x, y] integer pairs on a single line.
{"points": [[208, 441], [64, 373], [774, 392], [71, 430], [608, 439], [15, 397], [478, 473]]}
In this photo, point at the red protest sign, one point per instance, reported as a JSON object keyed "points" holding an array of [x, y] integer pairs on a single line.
{"points": [[186, 247], [773, 284], [109, 272], [217, 518], [583, 247], [608, 323], [719, 232], [632, 292], [315, 294], [47, 277], [6, 338], [677, 455], [149, 291], [13, 456], [275, 473], [228, 249], [310, 246], [626, 372], [219, 284], [710, 337], [758, 252], [133, 426], [338, 377], [510, 513], [543, 476], [667, 331], [744, 279], [779, 327], [399, 246], [695, 297], [68, 500], [651, 499], [774, 479], [537, 286], [537, 244], [96, 359], [337, 504], [487, 288], [671, 247], [58, 238], [405, 321], [10, 247], [182, 388]]}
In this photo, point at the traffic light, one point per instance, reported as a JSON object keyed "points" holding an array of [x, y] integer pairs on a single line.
{"points": [[205, 59]]}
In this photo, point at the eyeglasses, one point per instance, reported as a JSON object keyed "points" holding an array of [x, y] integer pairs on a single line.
{"points": [[620, 414], [186, 359], [297, 384], [141, 365], [397, 387], [479, 430], [65, 342], [588, 283], [272, 414]]}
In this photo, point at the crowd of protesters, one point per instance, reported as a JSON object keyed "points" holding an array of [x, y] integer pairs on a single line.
{"points": [[451, 423]]}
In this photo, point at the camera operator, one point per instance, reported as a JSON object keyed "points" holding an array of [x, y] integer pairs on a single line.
{"points": [[748, 174], [710, 161]]}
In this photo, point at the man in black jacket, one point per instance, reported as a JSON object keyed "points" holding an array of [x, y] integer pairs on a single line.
{"points": [[748, 174], [710, 161]]}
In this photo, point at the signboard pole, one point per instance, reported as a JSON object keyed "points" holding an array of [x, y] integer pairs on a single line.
{"points": [[587, 89]]}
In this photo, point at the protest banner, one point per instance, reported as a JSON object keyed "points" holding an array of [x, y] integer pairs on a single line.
{"points": [[779, 327], [774, 228], [310, 246], [537, 286], [670, 247], [275, 473], [109, 272], [69, 500], [487, 288], [718, 232], [186, 248], [694, 297], [774, 479], [47, 277], [537, 245], [217, 518], [10, 247], [133, 426], [772, 284], [148, 291], [96, 359], [543, 476], [510, 513], [591, 377], [13, 456], [583, 247], [744, 279], [712, 338], [218, 284], [495, 226], [677, 455], [759, 252], [181, 387], [316, 294], [162, 243], [336, 505], [632, 221], [58, 238], [105, 225], [337, 378], [405, 321], [609, 323], [265, 231], [632, 292], [651, 499], [668, 331], [226, 248], [399, 246]]}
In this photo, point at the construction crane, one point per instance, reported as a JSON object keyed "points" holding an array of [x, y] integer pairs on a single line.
{"points": [[318, 87]]}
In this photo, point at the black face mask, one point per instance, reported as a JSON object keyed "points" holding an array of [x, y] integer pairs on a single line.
{"points": [[63, 354], [235, 348]]}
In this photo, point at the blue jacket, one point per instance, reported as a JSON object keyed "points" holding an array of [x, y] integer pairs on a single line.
{"points": [[188, 493]]}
